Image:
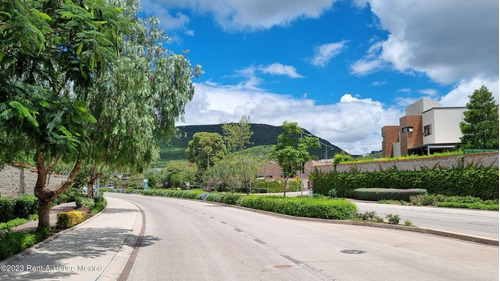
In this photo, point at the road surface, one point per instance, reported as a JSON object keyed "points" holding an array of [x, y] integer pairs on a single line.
{"points": [[193, 240], [464, 221]]}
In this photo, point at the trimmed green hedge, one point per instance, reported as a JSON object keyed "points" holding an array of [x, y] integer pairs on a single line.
{"points": [[470, 181], [84, 202], [313, 207], [21, 207], [337, 209], [376, 194]]}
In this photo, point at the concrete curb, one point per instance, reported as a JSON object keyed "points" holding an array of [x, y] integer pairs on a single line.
{"points": [[27, 251]]}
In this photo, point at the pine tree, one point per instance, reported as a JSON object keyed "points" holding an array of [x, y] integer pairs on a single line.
{"points": [[480, 125]]}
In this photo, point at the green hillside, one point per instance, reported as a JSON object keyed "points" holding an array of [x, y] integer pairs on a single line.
{"points": [[263, 135]]}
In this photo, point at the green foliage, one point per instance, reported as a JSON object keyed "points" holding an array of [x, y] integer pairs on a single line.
{"points": [[340, 158], [291, 151], [18, 221], [6, 209], [467, 181], [376, 194], [262, 139], [84, 202], [408, 223], [480, 125], [237, 136], [393, 219], [25, 206], [332, 193], [337, 209], [99, 205], [468, 202], [70, 219], [206, 148], [13, 242]]}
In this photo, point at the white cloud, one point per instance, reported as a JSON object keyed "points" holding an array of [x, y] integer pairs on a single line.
{"points": [[460, 95], [237, 15], [340, 122], [280, 69], [324, 53], [428, 92], [449, 40]]}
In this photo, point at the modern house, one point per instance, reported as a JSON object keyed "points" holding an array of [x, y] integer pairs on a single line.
{"points": [[426, 128]]}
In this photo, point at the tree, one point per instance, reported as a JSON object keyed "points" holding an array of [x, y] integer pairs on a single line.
{"points": [[145, 89], [291, 152], [52, 54], [234, 169], [480, 125], [237, 136], [205, 148], [62, 62]]}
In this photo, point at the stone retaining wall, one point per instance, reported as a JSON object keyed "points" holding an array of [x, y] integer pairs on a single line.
{"points": [[448, 162], [17, 180]]}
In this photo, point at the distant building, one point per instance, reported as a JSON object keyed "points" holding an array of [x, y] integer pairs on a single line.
{"points": [[426, 128]]}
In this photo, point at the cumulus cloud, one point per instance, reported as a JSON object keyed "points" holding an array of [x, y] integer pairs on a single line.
{"points": [[324, 53], [340, 121], [460, 95], [237, 15], [280, 69]]}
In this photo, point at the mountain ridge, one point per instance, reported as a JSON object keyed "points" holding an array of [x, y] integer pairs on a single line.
{"points": [[264, 134]]}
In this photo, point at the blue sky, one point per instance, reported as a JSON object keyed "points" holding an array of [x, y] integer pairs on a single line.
{"points": [[341, 69]]}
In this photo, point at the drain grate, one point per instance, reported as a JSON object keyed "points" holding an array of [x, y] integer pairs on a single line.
{"points": [[353, 252]]}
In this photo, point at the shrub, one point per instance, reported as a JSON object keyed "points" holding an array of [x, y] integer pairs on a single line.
{"points": [[393, 219], [12, 242], [84, 202], [332, 193], [6, 209], [99, 206], [70, 219], [303, 206], [25, 206], [376, 194]]}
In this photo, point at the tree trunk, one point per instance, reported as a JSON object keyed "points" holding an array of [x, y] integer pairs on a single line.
{"points": [[284, 187], [90, 189], [43, 214], [44, 194]]}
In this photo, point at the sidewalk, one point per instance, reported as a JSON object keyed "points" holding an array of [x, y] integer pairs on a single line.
{"points": [[98, 248]]}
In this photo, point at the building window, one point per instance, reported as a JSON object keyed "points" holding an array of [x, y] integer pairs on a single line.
{"points": [[427, 130], [407, 130]]}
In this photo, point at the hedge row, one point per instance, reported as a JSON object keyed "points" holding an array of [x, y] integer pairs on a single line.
{"points": [[21, 207], [70, 219], [376, 194], [323, 208], [470, 181], [337, 209]]}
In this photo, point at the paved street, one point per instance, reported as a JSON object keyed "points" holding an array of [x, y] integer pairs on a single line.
{"points": [[464, 221], [157, 238], [193, 240]]}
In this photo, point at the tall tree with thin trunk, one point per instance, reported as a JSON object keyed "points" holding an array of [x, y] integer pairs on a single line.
{"points": [[291, 152]]}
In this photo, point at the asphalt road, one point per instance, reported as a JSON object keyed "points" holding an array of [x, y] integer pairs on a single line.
{"points": [[193, 240], [464, 221]]}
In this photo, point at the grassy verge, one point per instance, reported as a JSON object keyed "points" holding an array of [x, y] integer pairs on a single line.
{"points": [[17, 222], [13, 242]]}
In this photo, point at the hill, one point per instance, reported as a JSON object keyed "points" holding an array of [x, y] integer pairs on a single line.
{"points": [[263, 135]]}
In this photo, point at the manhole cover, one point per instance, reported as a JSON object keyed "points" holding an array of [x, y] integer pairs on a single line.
{"points": [[353, 252]]}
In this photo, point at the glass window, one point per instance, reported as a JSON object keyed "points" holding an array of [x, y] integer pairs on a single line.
{"points": [[427, 130]]}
